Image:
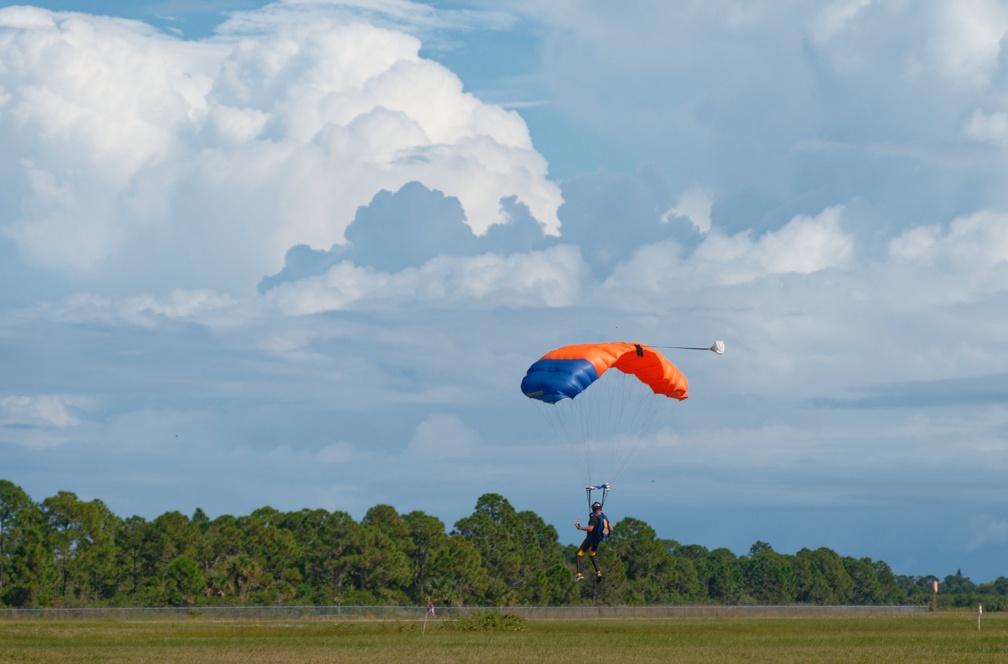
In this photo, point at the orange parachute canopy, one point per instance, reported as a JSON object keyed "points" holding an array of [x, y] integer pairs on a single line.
{"points": [[566, 372]]}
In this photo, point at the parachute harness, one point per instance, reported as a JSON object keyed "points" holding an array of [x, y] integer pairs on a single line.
{"points": [[604, 488]]}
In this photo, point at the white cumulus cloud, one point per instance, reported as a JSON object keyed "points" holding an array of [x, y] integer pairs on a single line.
{"points": [[119, 141], [804, 245], [974, 241]]}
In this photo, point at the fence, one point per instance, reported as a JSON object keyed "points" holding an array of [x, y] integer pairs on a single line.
{"points": [[418, 612]]}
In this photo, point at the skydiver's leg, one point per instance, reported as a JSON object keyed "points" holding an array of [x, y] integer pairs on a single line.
{"points": [[580, 553]]}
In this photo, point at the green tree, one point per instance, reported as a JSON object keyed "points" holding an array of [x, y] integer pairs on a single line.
{"points": [[275, 548], [99, 558], [957, 583], [489, 528], [387, 521], [310, 529], [314, 561], [131, 543], [242, 571], [524, 562], [425, 537], [223, 539], [13, 500], [546, 574], [457, 574], [822, 577], [697, 558], [688, 587], [725, 582], [650, 569], [185, 581], [375, 565], [865, 588], [83, 539], [33, 572], [889, 582], [768, 576], [167, 537]]}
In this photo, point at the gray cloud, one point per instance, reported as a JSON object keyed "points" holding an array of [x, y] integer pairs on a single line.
{"points": [[408, 228]]}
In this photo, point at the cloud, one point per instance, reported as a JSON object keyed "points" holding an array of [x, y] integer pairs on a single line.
{"points": [[695, 205], [979, 240], [804, 245], [551, 278], [746, 89], [439, 437], [407, 229], [611, 215], [835, 17], [967, 44], [46, 410], [400, 15], [38, 421], [988, 127], [122, 141]]}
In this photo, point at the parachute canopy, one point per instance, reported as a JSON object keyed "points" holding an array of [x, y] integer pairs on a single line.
{"points": [[566, 372], [603, 415]]}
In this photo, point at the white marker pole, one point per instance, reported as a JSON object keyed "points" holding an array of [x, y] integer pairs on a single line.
{"points": [[979, 613]]}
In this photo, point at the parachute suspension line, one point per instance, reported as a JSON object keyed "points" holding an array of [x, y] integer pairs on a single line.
{"points": [[561, 421], [623, 413], [605, 428], [649, 424]]}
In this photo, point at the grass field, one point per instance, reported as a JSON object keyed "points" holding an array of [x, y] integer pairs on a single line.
{"points": [[937, 637]]}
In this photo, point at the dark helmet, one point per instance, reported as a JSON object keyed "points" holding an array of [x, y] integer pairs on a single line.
{"points": [[596, 506]]}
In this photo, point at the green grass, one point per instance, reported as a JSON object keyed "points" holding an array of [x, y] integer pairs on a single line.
{"points": [[939, 637]]}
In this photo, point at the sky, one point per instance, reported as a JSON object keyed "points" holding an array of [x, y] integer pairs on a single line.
{"points": [[301, 254]]}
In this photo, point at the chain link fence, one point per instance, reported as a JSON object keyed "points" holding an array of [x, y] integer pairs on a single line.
{"points": [[332, 613]]}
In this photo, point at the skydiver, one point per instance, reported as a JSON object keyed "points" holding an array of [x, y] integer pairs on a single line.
{"points": [[598, 529]]}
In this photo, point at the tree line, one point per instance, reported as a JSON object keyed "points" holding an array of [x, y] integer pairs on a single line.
{"points": [[66, 552]]}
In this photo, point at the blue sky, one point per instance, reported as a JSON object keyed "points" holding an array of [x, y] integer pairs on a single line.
{"points": [[300, 254]]}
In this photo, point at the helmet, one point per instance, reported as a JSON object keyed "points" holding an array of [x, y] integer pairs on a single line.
{"points": [[596, 506]]}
